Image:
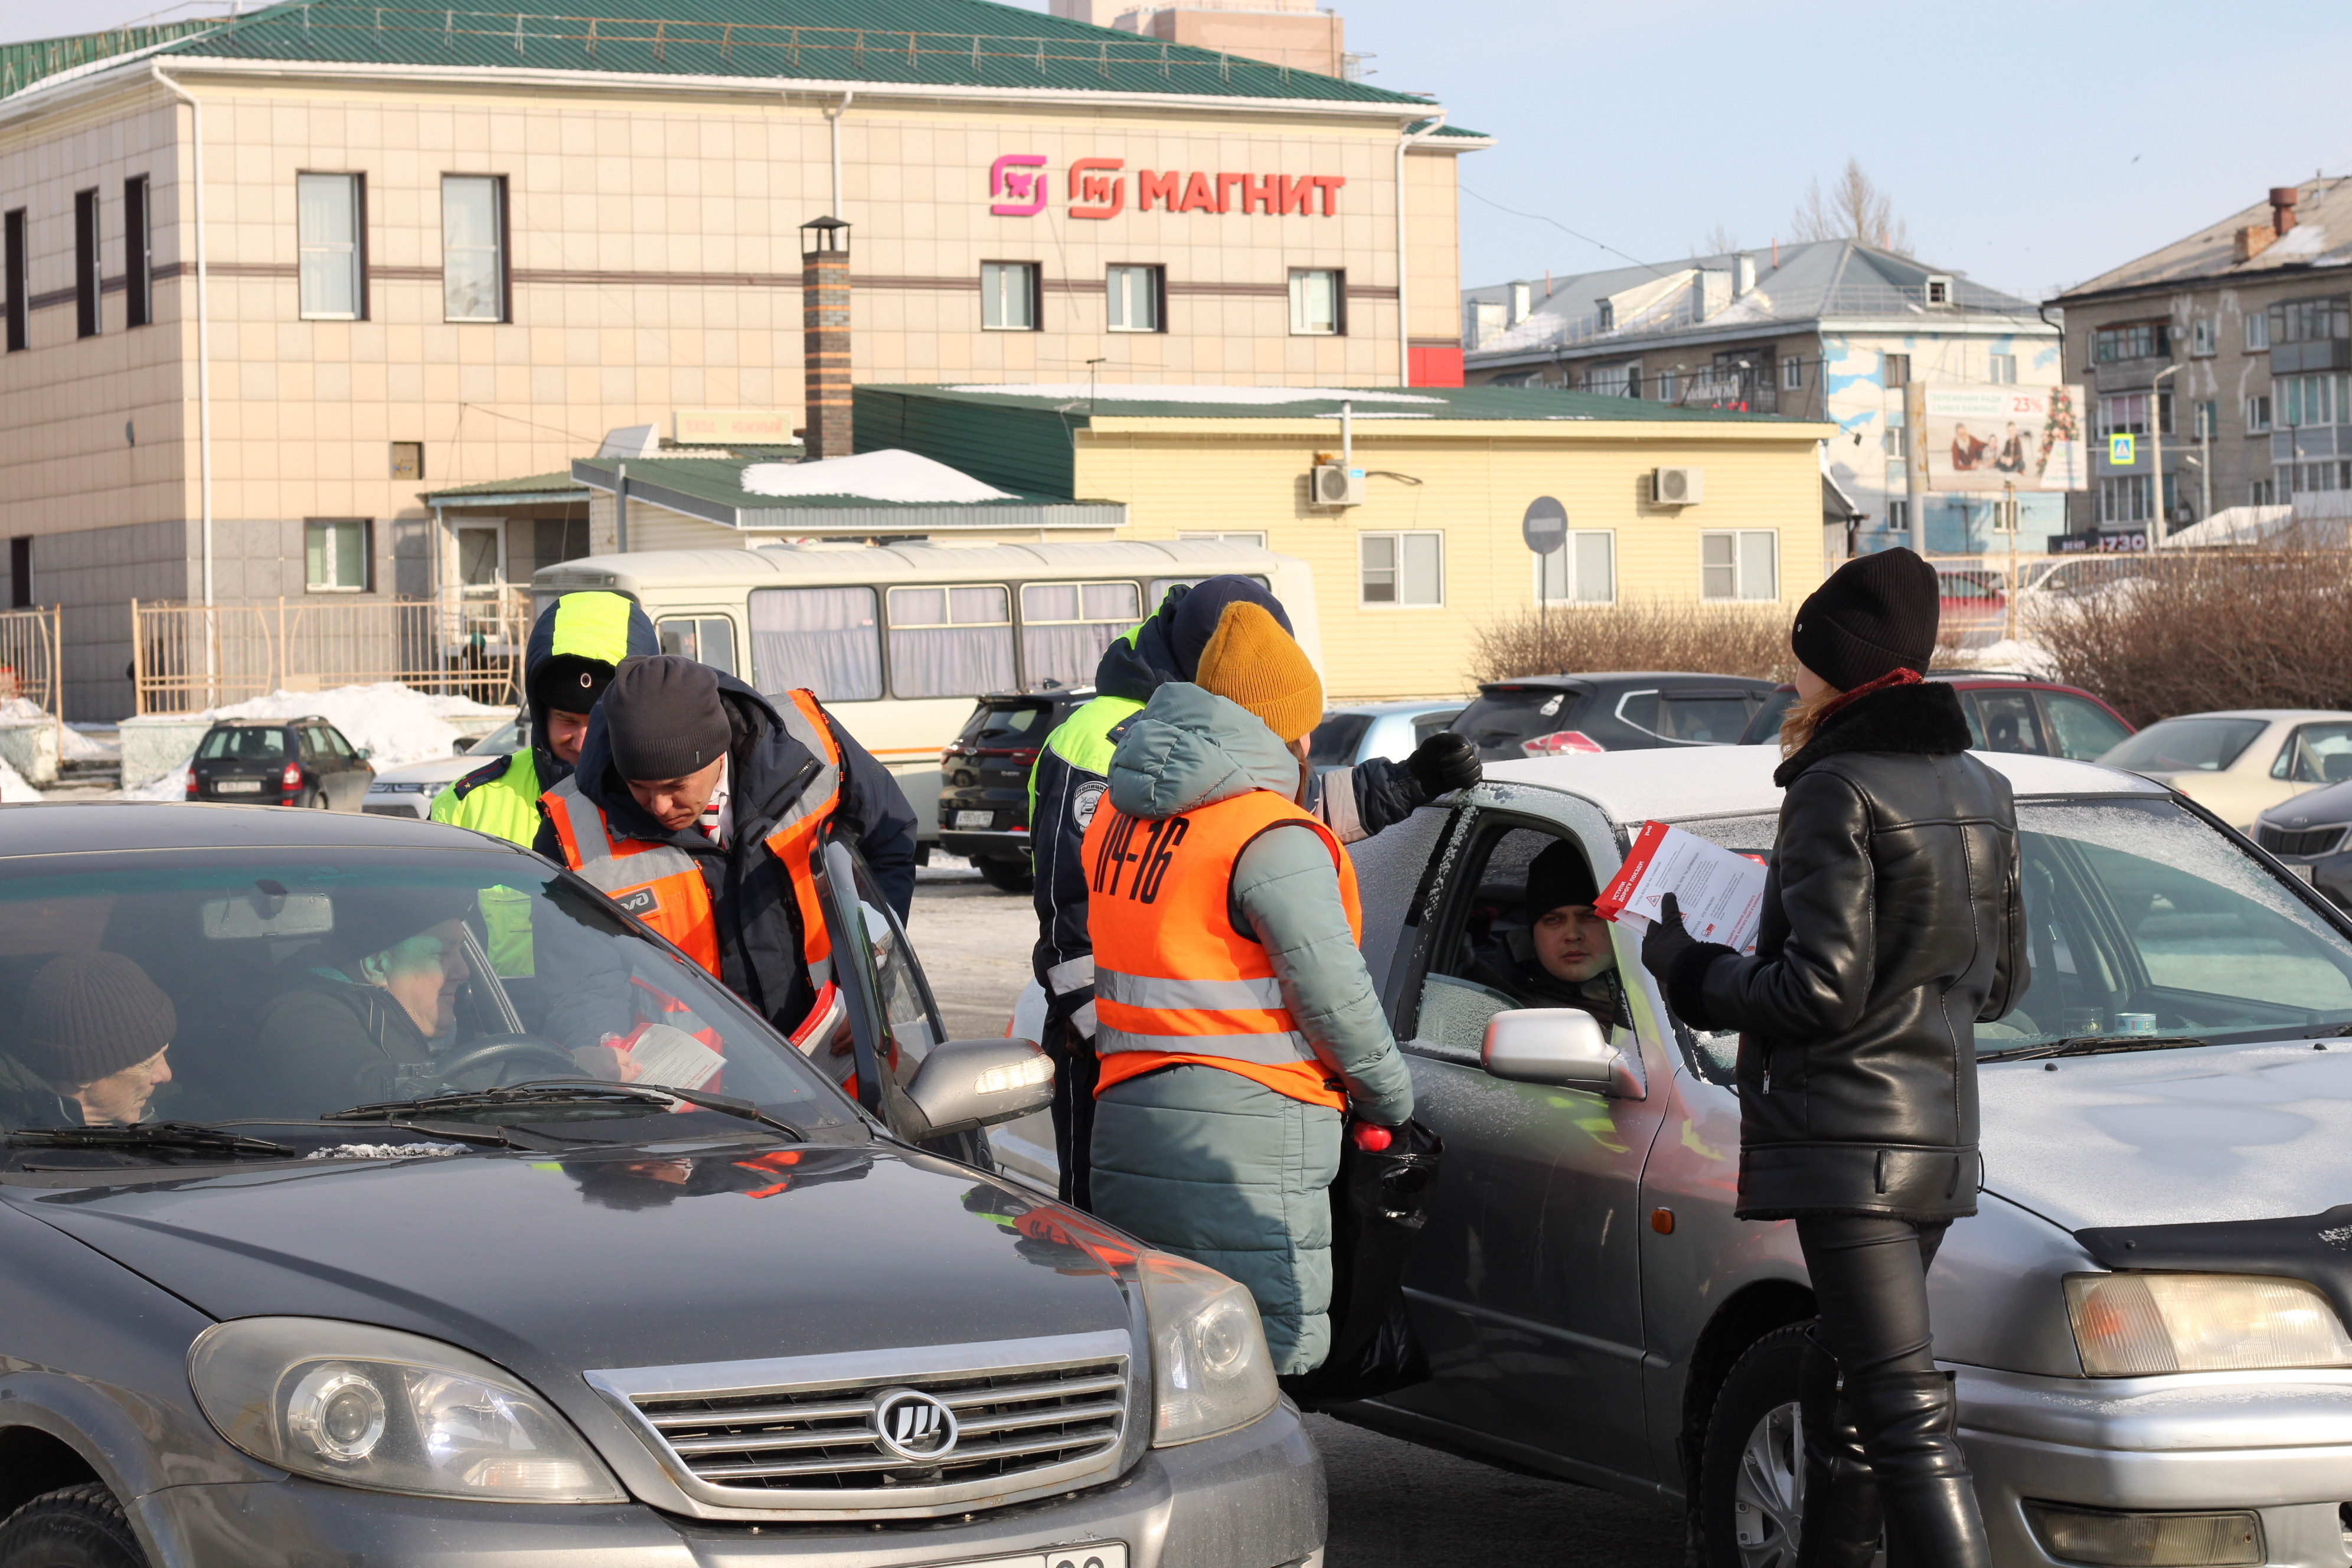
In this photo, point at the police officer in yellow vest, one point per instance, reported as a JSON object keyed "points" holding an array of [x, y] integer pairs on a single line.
{"points": [[1235, 1019], [697, 805]]}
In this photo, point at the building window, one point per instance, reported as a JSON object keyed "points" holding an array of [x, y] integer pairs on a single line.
{"points": [[1400, 568], [2002, 369], [1584, 571], [826, 639], [1065, 627], [328, 226], [2200, 337], [20, 573], [1136, 302], [2305, 400], [1898, 441], [1257, 539], [1894, 370], [1010, 294], [473, 248], [1669, 385], [2205, 420], [2262, 493], [1939, 289], [2122, 497], [2258, 331], [1615, 380], [2129, 341], [1898, 514], [950, 641], [1741, 564], [20, 314], [408, 459], [138, 255], [87, 280], [2310, 321], [1793, 373], [2125, 414], [2258, 414], [339, 554], [1318, 302]]}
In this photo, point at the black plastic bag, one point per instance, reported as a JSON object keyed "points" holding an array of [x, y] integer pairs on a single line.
{"points": [[1379, 1203]]}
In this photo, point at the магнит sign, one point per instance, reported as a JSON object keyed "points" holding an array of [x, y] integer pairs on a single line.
{"points": [[1018, 186]]}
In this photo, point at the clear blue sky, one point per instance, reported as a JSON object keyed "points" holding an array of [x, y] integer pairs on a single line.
{"points": [[2030, 145]]}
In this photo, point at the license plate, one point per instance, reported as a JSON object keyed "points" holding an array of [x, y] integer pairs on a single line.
{"points": [[1091, 1554], [968, 820], [238, 787]]}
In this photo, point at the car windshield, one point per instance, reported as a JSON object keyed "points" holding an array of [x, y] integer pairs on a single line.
{"points": [[1765, 726], [1504, 716], [2144, 920], [273, 988], [2186, 745], [244, 743]]}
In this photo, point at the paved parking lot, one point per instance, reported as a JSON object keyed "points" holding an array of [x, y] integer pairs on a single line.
{"points": [[1393, 1504]]}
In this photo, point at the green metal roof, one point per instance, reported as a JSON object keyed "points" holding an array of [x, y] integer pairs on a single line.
{"points": [[21, 64], [499, 489], [958, 43], [712, 489]]}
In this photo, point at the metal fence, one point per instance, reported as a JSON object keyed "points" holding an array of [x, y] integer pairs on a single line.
{"points": [[188, 657], [31, 645]]}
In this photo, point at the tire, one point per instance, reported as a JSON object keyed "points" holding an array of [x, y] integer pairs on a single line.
{"points": [[1008, 875], [74, 1527], [1752, 1463]]}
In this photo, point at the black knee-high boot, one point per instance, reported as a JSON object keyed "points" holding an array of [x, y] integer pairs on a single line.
{"points": [[1841, 1519], [1906, 1422]]}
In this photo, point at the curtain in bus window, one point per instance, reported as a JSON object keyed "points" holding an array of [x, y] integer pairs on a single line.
{"points": [[823, 638], [950, 641], [1064, 627]]}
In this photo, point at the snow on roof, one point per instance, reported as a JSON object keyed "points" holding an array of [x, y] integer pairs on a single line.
{"points": [[886, 476], [1146, 392]]}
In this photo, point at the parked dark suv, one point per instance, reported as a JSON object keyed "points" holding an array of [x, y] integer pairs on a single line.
{"points": [[1554, 715], [2005, 712], [984, 780], [280, 761]]}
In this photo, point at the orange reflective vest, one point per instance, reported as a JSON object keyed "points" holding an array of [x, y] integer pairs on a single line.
{"points": [[663, 884], [1175, 982]]}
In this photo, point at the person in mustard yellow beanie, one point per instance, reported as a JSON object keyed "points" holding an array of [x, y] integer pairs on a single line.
{"points": [[1235, 1020]]}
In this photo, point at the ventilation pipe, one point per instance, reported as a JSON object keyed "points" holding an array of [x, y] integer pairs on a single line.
{"points": [[2283, 200]]}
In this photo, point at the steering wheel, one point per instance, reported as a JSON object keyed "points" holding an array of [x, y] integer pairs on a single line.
{"points": [[503, 1049]]}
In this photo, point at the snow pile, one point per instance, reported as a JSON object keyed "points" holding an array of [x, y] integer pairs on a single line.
{"points": [[393, 724], [2009, 655], [14, 790], [891, 476], [73, 746], [1130, 392]]}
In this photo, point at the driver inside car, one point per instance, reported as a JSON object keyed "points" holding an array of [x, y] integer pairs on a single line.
{"points": [[1560, 955], [89, 1048]]}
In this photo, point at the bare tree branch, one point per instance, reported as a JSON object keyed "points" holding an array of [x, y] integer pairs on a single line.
{"points": [[1853, 208]]}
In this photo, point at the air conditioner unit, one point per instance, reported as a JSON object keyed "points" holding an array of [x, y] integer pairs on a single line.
{"points": [[1334, 485], [1679, 487]]}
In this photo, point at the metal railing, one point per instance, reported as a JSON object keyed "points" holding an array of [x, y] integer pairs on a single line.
{"points": [[31, 649], [187, 658]]}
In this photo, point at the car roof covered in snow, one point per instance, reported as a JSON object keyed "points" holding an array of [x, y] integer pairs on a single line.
{"points": [[1670, 784]]}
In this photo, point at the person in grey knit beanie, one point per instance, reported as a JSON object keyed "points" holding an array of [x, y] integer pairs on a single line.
{"points": [[96, 1028]]}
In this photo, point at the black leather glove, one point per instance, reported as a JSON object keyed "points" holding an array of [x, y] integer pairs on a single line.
{"points": [[1679, 960], [1443, 764]]}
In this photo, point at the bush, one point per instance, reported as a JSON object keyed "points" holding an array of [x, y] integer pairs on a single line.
{"points": [[1654, 635], [2194, 632]]}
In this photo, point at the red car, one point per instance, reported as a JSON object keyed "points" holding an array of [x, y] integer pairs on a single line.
{"points": [[2006, 714]]}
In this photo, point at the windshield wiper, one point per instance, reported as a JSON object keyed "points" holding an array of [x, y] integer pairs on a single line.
{"points": [[561, 1091], [2091, 1044], [182, 1137]]}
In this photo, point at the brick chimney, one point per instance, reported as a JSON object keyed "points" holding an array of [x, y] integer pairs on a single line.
{"points": [[824, 336], [2283, 200]]}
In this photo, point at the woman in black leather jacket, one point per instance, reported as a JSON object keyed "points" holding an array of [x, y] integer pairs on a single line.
{"points": [[1892, 925]]}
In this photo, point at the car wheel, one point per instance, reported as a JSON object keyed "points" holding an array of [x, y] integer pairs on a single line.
{"points": [[1008, 875], [75, 1527], [1752, 1466]]}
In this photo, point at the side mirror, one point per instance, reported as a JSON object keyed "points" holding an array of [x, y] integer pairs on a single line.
{"points": [[1565, 1047], [964, 1084], [364, 752], [462, 744]]}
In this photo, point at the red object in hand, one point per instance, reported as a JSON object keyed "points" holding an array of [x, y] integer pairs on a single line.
{"points": [[1371, 1139]]}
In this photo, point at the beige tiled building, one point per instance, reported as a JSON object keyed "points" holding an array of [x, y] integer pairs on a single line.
{"points": [[432, 255]]}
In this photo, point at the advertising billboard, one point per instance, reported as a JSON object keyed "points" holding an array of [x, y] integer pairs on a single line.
{"points": [[1988, 439]]}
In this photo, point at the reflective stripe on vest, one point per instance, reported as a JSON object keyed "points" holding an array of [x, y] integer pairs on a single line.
{"points": [[799, 834], [1174, 980]]}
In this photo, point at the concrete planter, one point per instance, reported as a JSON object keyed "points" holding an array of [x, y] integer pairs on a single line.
{"points": [[155, 743], [30, 746]]}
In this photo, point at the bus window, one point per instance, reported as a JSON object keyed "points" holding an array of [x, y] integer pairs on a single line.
{"points": [[950, 641], [709, 638], [1064, 627], [823, 638]]}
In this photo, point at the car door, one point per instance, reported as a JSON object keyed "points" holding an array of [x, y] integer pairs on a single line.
{"points": [[335, 764], [1524, 1283]]}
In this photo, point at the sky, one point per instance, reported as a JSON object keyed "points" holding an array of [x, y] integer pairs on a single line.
{"points": [[2028, 145]]}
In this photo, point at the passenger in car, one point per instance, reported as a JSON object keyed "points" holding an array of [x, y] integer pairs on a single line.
{"points": [[1559, 955], [90, 1047]]}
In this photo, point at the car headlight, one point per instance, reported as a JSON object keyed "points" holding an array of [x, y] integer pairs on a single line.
{"points": [[395, 1412], [2130, 1325], [1211, 1371]]}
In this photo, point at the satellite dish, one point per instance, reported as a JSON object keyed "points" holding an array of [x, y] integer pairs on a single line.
{"points": [[1545, 526]]}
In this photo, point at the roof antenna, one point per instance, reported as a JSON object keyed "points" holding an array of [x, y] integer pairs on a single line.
{"points": [[1091, 373]]}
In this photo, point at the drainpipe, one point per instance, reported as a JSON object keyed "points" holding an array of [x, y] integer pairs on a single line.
{"points": [[204, 333], [620, 508], [833, 117], [1406, 138]]}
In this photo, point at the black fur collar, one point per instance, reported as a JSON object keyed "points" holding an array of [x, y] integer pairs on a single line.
{"points": [[1922, 720]]}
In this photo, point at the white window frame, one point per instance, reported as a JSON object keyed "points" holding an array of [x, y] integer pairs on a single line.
{"points": [[1572, 585], [324, 257], [2258, 412], [1792, 374], [1242, 537], [1120, 298], [2258, 331], [333, 527], [1739, 538], [2200, 337], [1300, 324], [1615, 380], [2002, 369], [458, 529], [495, 249], [1396, 539], [993, 276], [2124, 498]]}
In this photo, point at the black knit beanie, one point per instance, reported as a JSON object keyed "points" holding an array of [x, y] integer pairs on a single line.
{"points": [[1561, 875], [568, 682], [1193, 619], [1875, 615], [87, 1015], [664, 717]]}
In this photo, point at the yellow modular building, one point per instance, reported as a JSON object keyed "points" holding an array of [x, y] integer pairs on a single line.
{"points": [[1417, 542]]}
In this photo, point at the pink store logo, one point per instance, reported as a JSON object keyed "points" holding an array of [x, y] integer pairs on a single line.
{"points": [[1020, 186]]}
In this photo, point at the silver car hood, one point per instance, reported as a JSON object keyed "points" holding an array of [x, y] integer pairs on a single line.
{"points": [[2216, 1133]]}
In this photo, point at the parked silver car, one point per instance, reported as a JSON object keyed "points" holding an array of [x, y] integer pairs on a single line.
{"points": [[1362, 730], [2151, 1354]]}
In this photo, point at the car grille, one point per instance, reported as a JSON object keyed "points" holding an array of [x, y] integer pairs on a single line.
{"points": [[2309, 841], [819, 1445]]}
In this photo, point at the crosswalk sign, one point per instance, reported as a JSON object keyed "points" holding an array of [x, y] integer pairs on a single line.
{"points": [[2123, 451]]}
